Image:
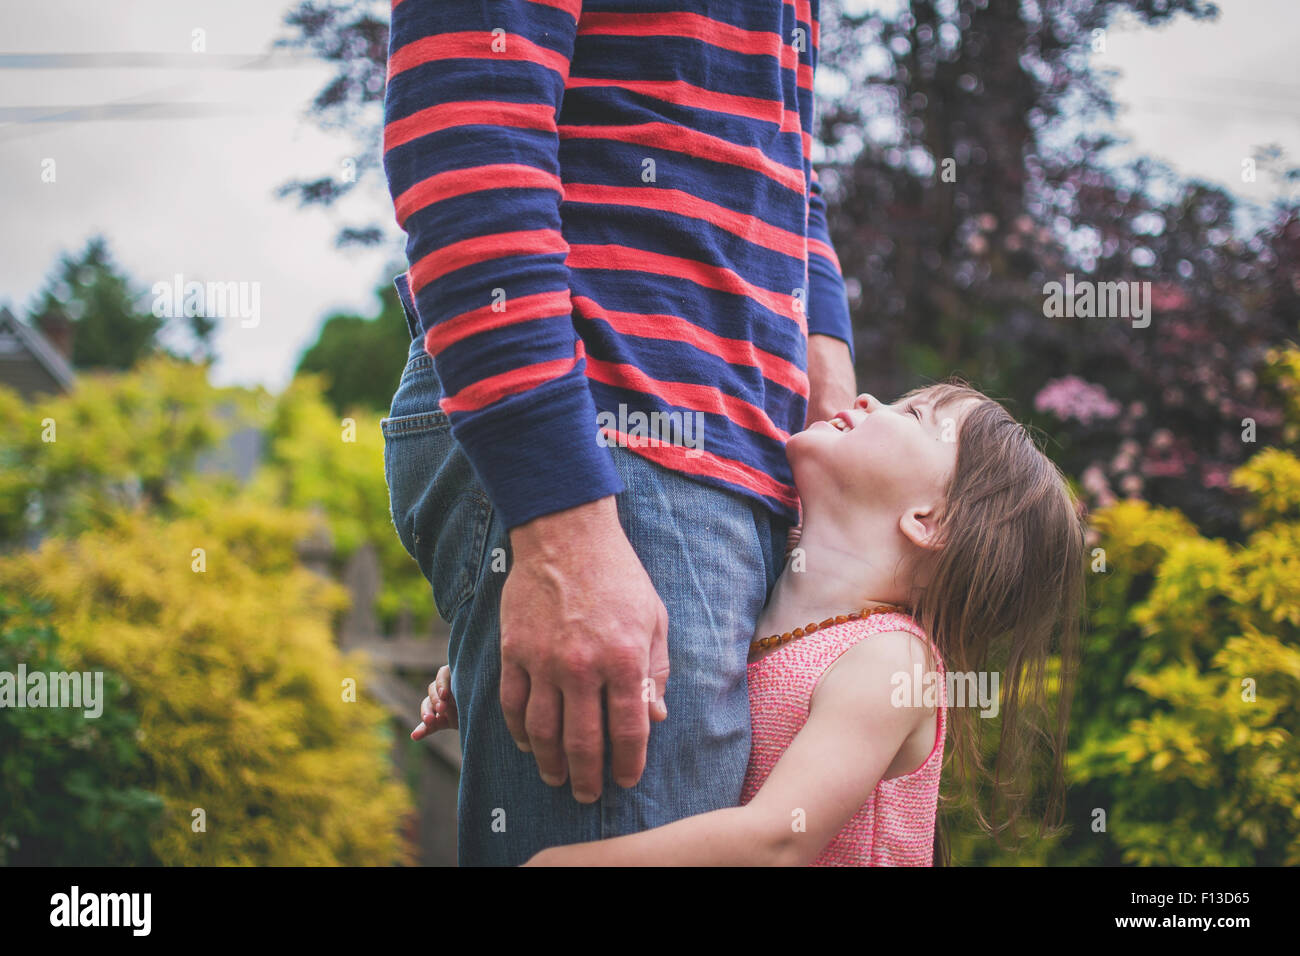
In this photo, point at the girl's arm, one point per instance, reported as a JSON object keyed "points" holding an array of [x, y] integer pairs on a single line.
{"points": [[732, 836], [852, 735]]}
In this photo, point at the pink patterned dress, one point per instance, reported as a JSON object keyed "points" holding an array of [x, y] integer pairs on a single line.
{"points": [[895, 827]]}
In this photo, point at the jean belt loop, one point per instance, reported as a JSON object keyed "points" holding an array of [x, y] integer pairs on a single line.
{"points": [[403, 284]]}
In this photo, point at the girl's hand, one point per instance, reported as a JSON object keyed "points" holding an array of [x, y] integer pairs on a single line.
{"points": [[438, 710]]}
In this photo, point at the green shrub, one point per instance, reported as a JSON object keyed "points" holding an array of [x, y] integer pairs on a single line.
{"points": [[68, 793], [237, 684]]}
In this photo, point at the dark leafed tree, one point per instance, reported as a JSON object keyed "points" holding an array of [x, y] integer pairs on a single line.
{"points": [[352, 36], [111, 323], [966, 172], [356, 355]]}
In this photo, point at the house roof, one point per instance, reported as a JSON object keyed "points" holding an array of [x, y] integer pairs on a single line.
{"points": [[45, 354]]}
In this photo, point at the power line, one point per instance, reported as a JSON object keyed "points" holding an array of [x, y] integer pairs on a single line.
{"points": [[273, 60], [109, 112]]}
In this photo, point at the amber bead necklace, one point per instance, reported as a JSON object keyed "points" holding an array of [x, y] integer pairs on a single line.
{"points": [[776, 640]]}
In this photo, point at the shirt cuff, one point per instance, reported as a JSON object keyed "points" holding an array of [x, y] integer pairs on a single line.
{"points": [[538, 452]]}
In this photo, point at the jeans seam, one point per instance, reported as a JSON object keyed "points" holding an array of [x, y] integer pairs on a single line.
{"points": [[483, 526], [412, 424], [476, 556], [388, 482]]}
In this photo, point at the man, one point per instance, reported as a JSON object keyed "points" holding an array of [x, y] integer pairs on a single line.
{"points": [[612, 219]]}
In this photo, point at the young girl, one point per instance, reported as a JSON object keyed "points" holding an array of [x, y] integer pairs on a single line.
{"points": [[936, 516]]}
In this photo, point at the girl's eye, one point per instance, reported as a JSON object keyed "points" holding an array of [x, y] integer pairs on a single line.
{"points": [[915, 411]]}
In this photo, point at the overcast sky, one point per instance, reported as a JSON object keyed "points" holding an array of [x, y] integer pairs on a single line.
{"points": [[188, 187]]}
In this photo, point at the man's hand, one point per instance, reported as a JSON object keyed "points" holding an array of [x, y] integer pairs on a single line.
{"points": [[581, 619], [832, 383]]}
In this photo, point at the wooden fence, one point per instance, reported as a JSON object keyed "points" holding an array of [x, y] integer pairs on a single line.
{"points": [[401, 666]]}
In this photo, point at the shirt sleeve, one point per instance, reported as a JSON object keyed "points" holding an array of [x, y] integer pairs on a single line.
{"points": [[828, 303], [471, 155]]}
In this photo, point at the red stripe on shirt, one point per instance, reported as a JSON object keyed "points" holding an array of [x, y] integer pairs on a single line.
{"points": [[467, 252], [703, 398], [743, 226], [680, 139], [496, 387], [676, 329], [818, 248], [698, 462], [461, 182], [803, 11], [475, 45], [526, 308], [625, 258], [572, 7], [434, 119], [805, 14]]}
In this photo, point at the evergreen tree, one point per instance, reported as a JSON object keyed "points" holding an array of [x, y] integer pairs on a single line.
{"points": [[89, 292]]}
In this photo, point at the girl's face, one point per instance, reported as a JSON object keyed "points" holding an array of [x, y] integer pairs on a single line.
{"points": [[898, 457]]}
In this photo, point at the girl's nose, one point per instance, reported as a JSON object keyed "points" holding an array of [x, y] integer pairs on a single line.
{"points": [[867, 401]]}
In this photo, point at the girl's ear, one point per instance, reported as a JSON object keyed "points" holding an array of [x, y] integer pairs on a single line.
{"points": [[920, 525]]}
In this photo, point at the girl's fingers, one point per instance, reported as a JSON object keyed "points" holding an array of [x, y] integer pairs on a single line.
{"points": [[429, 725], [432, 706], [445, 702], [440, 689], [447, 712], [438, 709]]}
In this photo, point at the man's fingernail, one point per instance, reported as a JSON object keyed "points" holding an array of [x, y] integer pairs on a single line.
{"points": [[552, 781], [583, 797], [524, 747]]}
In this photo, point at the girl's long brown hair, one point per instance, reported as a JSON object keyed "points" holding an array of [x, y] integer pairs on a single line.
{"points": [[1005, 590]]}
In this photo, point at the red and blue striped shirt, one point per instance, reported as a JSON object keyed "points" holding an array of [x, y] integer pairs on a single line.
{"points": [[610, 207]]}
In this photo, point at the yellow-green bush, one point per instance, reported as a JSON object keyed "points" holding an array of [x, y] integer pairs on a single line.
{"points": [[69, 461], [1196, 760], [316, 459], [1185, 727], [236, 681]]}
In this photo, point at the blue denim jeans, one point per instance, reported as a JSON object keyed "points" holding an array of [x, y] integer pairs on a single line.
{"points": [[712, 555]]}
